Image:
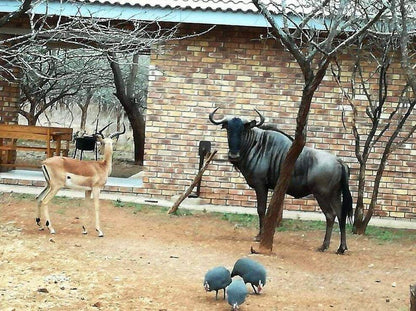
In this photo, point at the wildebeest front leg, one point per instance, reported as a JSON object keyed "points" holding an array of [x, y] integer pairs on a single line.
{"points": [[261, 193]]}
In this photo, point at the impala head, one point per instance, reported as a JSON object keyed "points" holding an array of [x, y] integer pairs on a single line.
{"points": [[107, 142], [235, 127]]}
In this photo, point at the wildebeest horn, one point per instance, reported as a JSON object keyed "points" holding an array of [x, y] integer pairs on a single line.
{"points": [[100, 132], [117, 134], [216, 122], [262, 119]]}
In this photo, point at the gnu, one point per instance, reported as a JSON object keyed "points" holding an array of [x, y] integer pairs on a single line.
{"points": [[258, 152]]}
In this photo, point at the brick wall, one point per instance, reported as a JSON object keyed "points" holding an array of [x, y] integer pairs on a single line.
{"points": [[9, 94], [230, 68]]}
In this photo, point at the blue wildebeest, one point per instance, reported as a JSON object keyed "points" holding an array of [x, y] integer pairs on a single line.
{"points": [[258, 152]]}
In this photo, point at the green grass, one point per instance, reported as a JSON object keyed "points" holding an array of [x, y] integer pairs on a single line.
{"points": [[301, 225], [243, 220], [390, 235]]}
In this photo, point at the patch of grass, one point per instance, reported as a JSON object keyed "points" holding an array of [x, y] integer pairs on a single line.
{"points": [[181, 212], [145, 208], [60, 211], [300, 225], [385, 235], [22, 196], [135, 207], [244, 220], [382, 235]]}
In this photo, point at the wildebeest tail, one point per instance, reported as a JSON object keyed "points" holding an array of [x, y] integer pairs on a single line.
{"points": [[346, 210]]}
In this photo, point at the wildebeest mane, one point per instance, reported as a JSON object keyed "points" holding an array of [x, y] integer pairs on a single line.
{"points": [[272, 127]]}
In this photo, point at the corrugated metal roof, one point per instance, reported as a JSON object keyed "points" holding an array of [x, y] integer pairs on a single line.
{"points": [[211, 5]]}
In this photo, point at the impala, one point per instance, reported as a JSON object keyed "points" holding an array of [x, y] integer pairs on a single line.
{"points": [[90, 176]]}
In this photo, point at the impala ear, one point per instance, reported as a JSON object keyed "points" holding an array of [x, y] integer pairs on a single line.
{"points": [[99, 138]]}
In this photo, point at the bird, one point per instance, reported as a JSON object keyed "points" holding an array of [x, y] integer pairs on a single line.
{"points": [[236, 293], [251, 272], [217, 278]]}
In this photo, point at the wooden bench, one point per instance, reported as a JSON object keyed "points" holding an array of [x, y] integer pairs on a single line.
{"points": [[50, 140]]}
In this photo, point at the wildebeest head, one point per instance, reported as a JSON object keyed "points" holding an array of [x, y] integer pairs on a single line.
{"points": [[235, 129]]}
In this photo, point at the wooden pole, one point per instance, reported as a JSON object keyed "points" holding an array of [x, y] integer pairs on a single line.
{"points": [[175, 206], [413, 297]]}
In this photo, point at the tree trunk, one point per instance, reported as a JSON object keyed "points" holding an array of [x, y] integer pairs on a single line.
{"points": [[84, 108], [138, 126], [275, 209], [274, 212], [131, 108], [358, 226]]}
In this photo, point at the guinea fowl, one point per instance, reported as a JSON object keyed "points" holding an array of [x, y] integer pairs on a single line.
{"points": [[252, 272], [217, 278], [236, 293]]}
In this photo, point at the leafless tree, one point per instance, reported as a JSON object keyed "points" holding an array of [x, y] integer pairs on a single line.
{"points": [[58, 74], [25, 7], [101, 37], [381, 124], [313, 32], [132, 99]]}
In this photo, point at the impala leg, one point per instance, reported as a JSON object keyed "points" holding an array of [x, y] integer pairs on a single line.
{"points": [[44, 204], [96, 197], [39, 199], [87, 203]]}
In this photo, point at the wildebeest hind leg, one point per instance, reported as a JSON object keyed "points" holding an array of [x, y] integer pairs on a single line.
{"points": [[330, 219], [343, 246]]}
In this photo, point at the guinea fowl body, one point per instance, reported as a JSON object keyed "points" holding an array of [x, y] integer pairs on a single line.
{"points": [[236, 293], [251, 272], [217, 278]]}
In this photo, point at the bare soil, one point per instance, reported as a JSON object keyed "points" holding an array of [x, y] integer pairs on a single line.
{"points": [[151, 261]]}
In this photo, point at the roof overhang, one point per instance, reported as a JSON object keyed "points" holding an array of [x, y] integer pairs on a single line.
{"points": [[143, 13]]}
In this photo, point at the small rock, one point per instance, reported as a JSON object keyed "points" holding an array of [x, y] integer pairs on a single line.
{"points": [[97, 304], [387, 299], [51, 240], [393, 284], [42, 290]]}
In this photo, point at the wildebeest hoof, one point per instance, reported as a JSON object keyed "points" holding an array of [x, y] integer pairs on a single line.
{"points": [[322, 249], [341, 251]]}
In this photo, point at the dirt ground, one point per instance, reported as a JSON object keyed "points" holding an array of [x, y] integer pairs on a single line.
{"points": [[151, 261]]}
